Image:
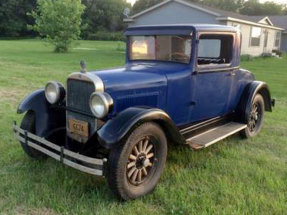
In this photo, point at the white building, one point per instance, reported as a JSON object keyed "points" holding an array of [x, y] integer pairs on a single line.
{"points": [[259, 34]]}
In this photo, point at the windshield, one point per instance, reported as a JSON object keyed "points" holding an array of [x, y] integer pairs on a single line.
{"points": [[162, 48]]}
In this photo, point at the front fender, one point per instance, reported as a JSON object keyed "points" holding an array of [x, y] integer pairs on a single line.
{"points": [[248, 95], [47, 116], [116, 129]]}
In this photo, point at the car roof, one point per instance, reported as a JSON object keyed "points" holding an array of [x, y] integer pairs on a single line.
{"points": [[179, 28]]}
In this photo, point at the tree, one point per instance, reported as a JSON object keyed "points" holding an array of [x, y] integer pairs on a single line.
{"points": [[271, 8], [103, 15], [228, 5], [59, 22], [254, 7], [13, 17], [141, 5]]}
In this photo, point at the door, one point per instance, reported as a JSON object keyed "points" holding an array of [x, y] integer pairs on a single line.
{"points": [[213, 79]]}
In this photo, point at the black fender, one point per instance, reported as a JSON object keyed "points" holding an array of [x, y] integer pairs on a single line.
{"points": [[117, 128], [48, 117], [248, 95]]}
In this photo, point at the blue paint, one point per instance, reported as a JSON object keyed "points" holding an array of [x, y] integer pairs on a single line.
{"points": [[181, 90]]}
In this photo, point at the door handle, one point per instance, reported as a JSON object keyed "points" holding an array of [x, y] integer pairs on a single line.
{"points": [[231, 73]]}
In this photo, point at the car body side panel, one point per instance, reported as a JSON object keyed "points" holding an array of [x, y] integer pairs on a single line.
{"points": [[159, 85], [241, 79], [178, 94]]}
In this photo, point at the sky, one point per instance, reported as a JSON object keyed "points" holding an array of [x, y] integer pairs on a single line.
{"points": [[131, 1], [276, 1]]}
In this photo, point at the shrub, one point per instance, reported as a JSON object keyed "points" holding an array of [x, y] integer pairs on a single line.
{"points": [[246, 57], [58, 22], [277, 52], [104, 35], [121, 46]]}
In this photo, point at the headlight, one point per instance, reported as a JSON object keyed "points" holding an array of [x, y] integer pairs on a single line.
{"points": [[100, 104], [54, 92]]}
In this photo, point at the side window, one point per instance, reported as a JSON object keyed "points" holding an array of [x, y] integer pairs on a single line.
{"points": [[215, 49], [277, 39], [255, 36]]}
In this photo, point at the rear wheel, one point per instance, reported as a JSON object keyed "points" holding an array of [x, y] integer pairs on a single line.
{"points": [[28, 124], [135, 166], [255, 117]]}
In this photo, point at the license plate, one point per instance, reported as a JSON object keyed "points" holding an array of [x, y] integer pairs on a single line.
{"points": [[79, 127]]}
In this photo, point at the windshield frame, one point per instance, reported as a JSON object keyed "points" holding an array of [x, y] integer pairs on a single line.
{"points": [[191, 55]]}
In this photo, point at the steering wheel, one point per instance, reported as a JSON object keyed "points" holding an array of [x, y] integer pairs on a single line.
{"points": [[179, 56]]}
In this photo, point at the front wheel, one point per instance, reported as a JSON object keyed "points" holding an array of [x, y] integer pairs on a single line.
{"points": [[28, 124], [255, 118], [136, 165]]}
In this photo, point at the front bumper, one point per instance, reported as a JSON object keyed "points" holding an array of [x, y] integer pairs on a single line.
{"points": [[83, 163]]}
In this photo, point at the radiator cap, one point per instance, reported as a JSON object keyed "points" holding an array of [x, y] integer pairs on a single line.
{"points": [[83, 66]]}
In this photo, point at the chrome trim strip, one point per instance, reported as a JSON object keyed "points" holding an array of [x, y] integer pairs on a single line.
{"points": [[33, 141], [99, 85]]}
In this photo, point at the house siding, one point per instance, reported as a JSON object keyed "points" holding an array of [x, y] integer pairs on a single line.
{"points": [[174, 13], [284, 42], [177, 13], [246, 48]]}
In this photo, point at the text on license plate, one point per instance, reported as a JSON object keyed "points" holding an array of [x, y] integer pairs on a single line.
{"points": [[79, 127]]}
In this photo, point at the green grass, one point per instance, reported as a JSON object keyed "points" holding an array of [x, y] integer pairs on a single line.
{"points": [[234, 176]]}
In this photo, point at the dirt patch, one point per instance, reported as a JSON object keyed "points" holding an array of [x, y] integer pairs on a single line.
{"points": [[36, 211], [11, 96]]}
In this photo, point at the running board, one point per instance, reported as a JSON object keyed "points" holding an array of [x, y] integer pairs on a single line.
{"points": [[214, 135]]}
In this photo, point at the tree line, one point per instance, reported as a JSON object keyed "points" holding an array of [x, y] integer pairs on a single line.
{"points": [[99, 15], [107, 15], [246, 7]]}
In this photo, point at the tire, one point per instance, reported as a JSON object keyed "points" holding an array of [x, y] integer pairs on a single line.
{"points": [[28, 124], [255, 118], [130, 180]]}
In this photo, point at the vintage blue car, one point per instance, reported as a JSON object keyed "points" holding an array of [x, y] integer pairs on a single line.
{"points": [[181, 84]]}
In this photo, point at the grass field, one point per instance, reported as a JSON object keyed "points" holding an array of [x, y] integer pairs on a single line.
{"points": [[234, 176]]}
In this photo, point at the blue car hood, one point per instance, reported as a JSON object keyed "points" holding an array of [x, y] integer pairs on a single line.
{"points": [[132, 76], [138, 84]]}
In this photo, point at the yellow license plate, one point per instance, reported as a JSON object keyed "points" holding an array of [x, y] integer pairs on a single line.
{"points": [[79, 127]]}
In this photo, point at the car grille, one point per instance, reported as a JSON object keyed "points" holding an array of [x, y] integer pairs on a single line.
{"points": [[78, 96], [79, 93]]}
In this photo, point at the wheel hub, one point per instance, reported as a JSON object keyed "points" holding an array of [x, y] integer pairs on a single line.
{"points": [[140, 161], [253, 117]]}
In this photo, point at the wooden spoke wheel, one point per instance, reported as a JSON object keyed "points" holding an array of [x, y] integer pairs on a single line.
{"points": [[135, 166], [255, 117], [140, 162]]}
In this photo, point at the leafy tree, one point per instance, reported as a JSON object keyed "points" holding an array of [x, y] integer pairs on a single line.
{"points": [[141, 5], [271, 8], [228, 5], [103, 15], [13, 17], [254, 7], [250, 7], [59, 22]]}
